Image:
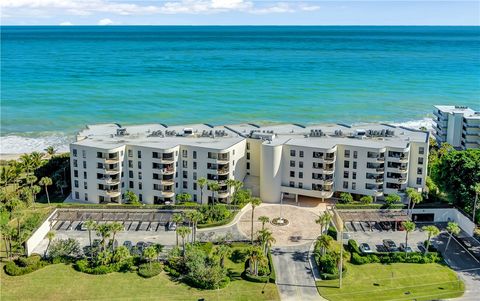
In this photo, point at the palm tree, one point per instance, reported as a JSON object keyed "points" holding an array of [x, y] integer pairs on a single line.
{"points": [[223, 251], [104, 232], [26, 163], [323, 220], [324, 241], [432, 231], [236, 187], [230, 183], [214, 187], [201, 183], [177, 218], [195, 217], [409, 227], [255, 202], [50, 235], [266, 240], [159, 249], [37, 161], [183, 232], [264, 219], [115, 227], [150, 253], [255, 255], [452, 228], [35, 190], [46, 181], [91, 225], [7, 233], [50, 151], [414, 197], [476, 187], [31, 179]]}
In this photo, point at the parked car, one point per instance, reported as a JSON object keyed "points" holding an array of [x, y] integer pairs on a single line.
{"points": [[140, 246], [405, 248], [390, 245], [128, 244], [386, 225], [422, 248], [171, 226], [365, 248], [84, 226]]}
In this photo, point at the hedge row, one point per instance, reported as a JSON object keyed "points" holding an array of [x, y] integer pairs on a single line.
{"points": [[24, 265], [369, 206], [397, 257], [271, 277], [84, 266], [188, 205], [219, 223]]}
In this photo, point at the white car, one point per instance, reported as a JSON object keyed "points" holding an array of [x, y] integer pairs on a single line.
{"points": [[365, 248]]}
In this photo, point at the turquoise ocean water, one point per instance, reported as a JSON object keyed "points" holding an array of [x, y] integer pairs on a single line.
{"points": [[54, 80]]}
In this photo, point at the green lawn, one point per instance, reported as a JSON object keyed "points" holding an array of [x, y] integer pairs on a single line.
{"points": [[399, 281], [62, 282]]}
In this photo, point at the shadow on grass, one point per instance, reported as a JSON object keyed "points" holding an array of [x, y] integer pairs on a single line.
{"points": [[234, 275]]}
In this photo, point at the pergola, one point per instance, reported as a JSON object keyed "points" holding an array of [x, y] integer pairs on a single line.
{"points": [[373, 215]]}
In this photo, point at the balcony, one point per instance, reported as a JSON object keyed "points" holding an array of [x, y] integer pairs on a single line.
{"points": [[168, 194], [219, 157], [402, 180], [223, 171], [110, 180], [167, 171], [440, 116], [167, 159], [111, 170], [328, 158], [223, 193]]}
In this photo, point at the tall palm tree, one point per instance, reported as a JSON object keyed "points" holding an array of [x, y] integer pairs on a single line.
{"points": [[236, 187], [201, 183], [50, 151], [50, 235], [415, 198], [452, 229], [409, 227], [476, 188], [150, 253], [196, 217], [177, 218], [183, 232], [255, 255], [7, 233], [91, 225], [35, 190], [31, 179], [432, 231], [264, 219], [230, 183], [104, 232], [223, 251], [45, 182], [37, 161], [266, 240], [255, 203], [26, 163], [213, 186], [324, 241], [115, 227]]}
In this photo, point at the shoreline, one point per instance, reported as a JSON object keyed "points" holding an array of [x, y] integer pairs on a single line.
{"points": [[13, 146]]}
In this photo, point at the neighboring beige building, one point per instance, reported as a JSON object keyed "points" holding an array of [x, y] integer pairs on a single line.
{"points": [[279, 161], [458, 126]]}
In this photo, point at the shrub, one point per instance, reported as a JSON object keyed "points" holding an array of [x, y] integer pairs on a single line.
{"points": [[24, 265], [332, 232], [64, 248], [366, 199], [353, 246], [252, 278], [273, 277], [172, 272], [345, 198], [238, 256], [207, 247], [396, 257], [147, 271], [83, 265]]}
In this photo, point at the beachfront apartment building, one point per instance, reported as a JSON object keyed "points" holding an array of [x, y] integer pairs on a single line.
{"points": [[276, 162], [458, 126]]}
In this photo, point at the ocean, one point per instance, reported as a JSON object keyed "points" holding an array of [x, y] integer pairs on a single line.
{"points": [[57, 79]]}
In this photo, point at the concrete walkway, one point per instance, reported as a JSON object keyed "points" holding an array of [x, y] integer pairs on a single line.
{"points": [[294, 274]]}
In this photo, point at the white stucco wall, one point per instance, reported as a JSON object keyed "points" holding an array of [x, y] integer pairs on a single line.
{"points": [[450, 215], [39, 234]]}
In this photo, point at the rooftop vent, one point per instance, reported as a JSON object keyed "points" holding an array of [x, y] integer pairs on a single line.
{"points": [[158, 133], [122, 132], [316, 133]]}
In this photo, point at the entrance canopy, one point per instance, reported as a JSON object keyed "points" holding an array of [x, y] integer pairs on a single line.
{"points": [[373, 215]]}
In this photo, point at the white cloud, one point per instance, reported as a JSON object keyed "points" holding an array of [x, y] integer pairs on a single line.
{"points": [[66, 24], [105, 21]]}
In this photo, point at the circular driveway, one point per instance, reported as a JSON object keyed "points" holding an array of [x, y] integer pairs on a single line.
{"points": [[300, 230]]}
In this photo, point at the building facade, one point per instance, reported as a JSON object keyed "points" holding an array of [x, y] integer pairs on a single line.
{"points": [[157, 162], [458, 126]]}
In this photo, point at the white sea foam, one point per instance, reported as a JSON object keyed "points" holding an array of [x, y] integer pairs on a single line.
{"points": [[13, 144], [417, 124]]}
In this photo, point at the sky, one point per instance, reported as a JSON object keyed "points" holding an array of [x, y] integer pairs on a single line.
{"points": [[239, 12]]}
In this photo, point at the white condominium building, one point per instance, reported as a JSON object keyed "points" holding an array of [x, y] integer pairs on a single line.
{"points": [[458, 126], [281, 161]]}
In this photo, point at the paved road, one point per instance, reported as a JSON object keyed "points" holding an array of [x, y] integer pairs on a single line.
{"points": [[294, 276]]}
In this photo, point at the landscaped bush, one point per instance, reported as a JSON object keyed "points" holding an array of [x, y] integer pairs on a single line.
{"points": [[83, 265], [368, 206], [147, 271], [63, 250], [396, 257], [353, 247], [359, 259], [332, 232], [252, 278], [24, 266], [273, 277]]}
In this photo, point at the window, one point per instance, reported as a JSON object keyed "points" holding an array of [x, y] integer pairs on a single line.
{"points": [[155, 155], [292, 152], [345, 185], [355, 154], [77, 195], [300, 185], [194, 175], [139, 154], [75, 163], [185, 185], [300, 175], [195, 198], [248, 156], [347, 153], [421, 150], [84, 164], [292, 163], [85, 185], [248, 145], [346, 164], [156, 176], [130, 164], [291, 184], [419, 181], [184, 164], [185, 174], [248, 165], [194, 154], [234, 152], [292, 174], [194, 164], [140, 197], [74, 151], [75, 183], [301, 154], [354, 175], [194, 185], [85, 175], [345, 174], [139, 175], [130, 153], [130, 184], [354, 164], [99, 155], [84, 153], [140, 186], [419, 171], [420, 161], [86, 197], [184, 153], [139, 164], [130, 173], [75, 173], [354, 186], [300, 164]]}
